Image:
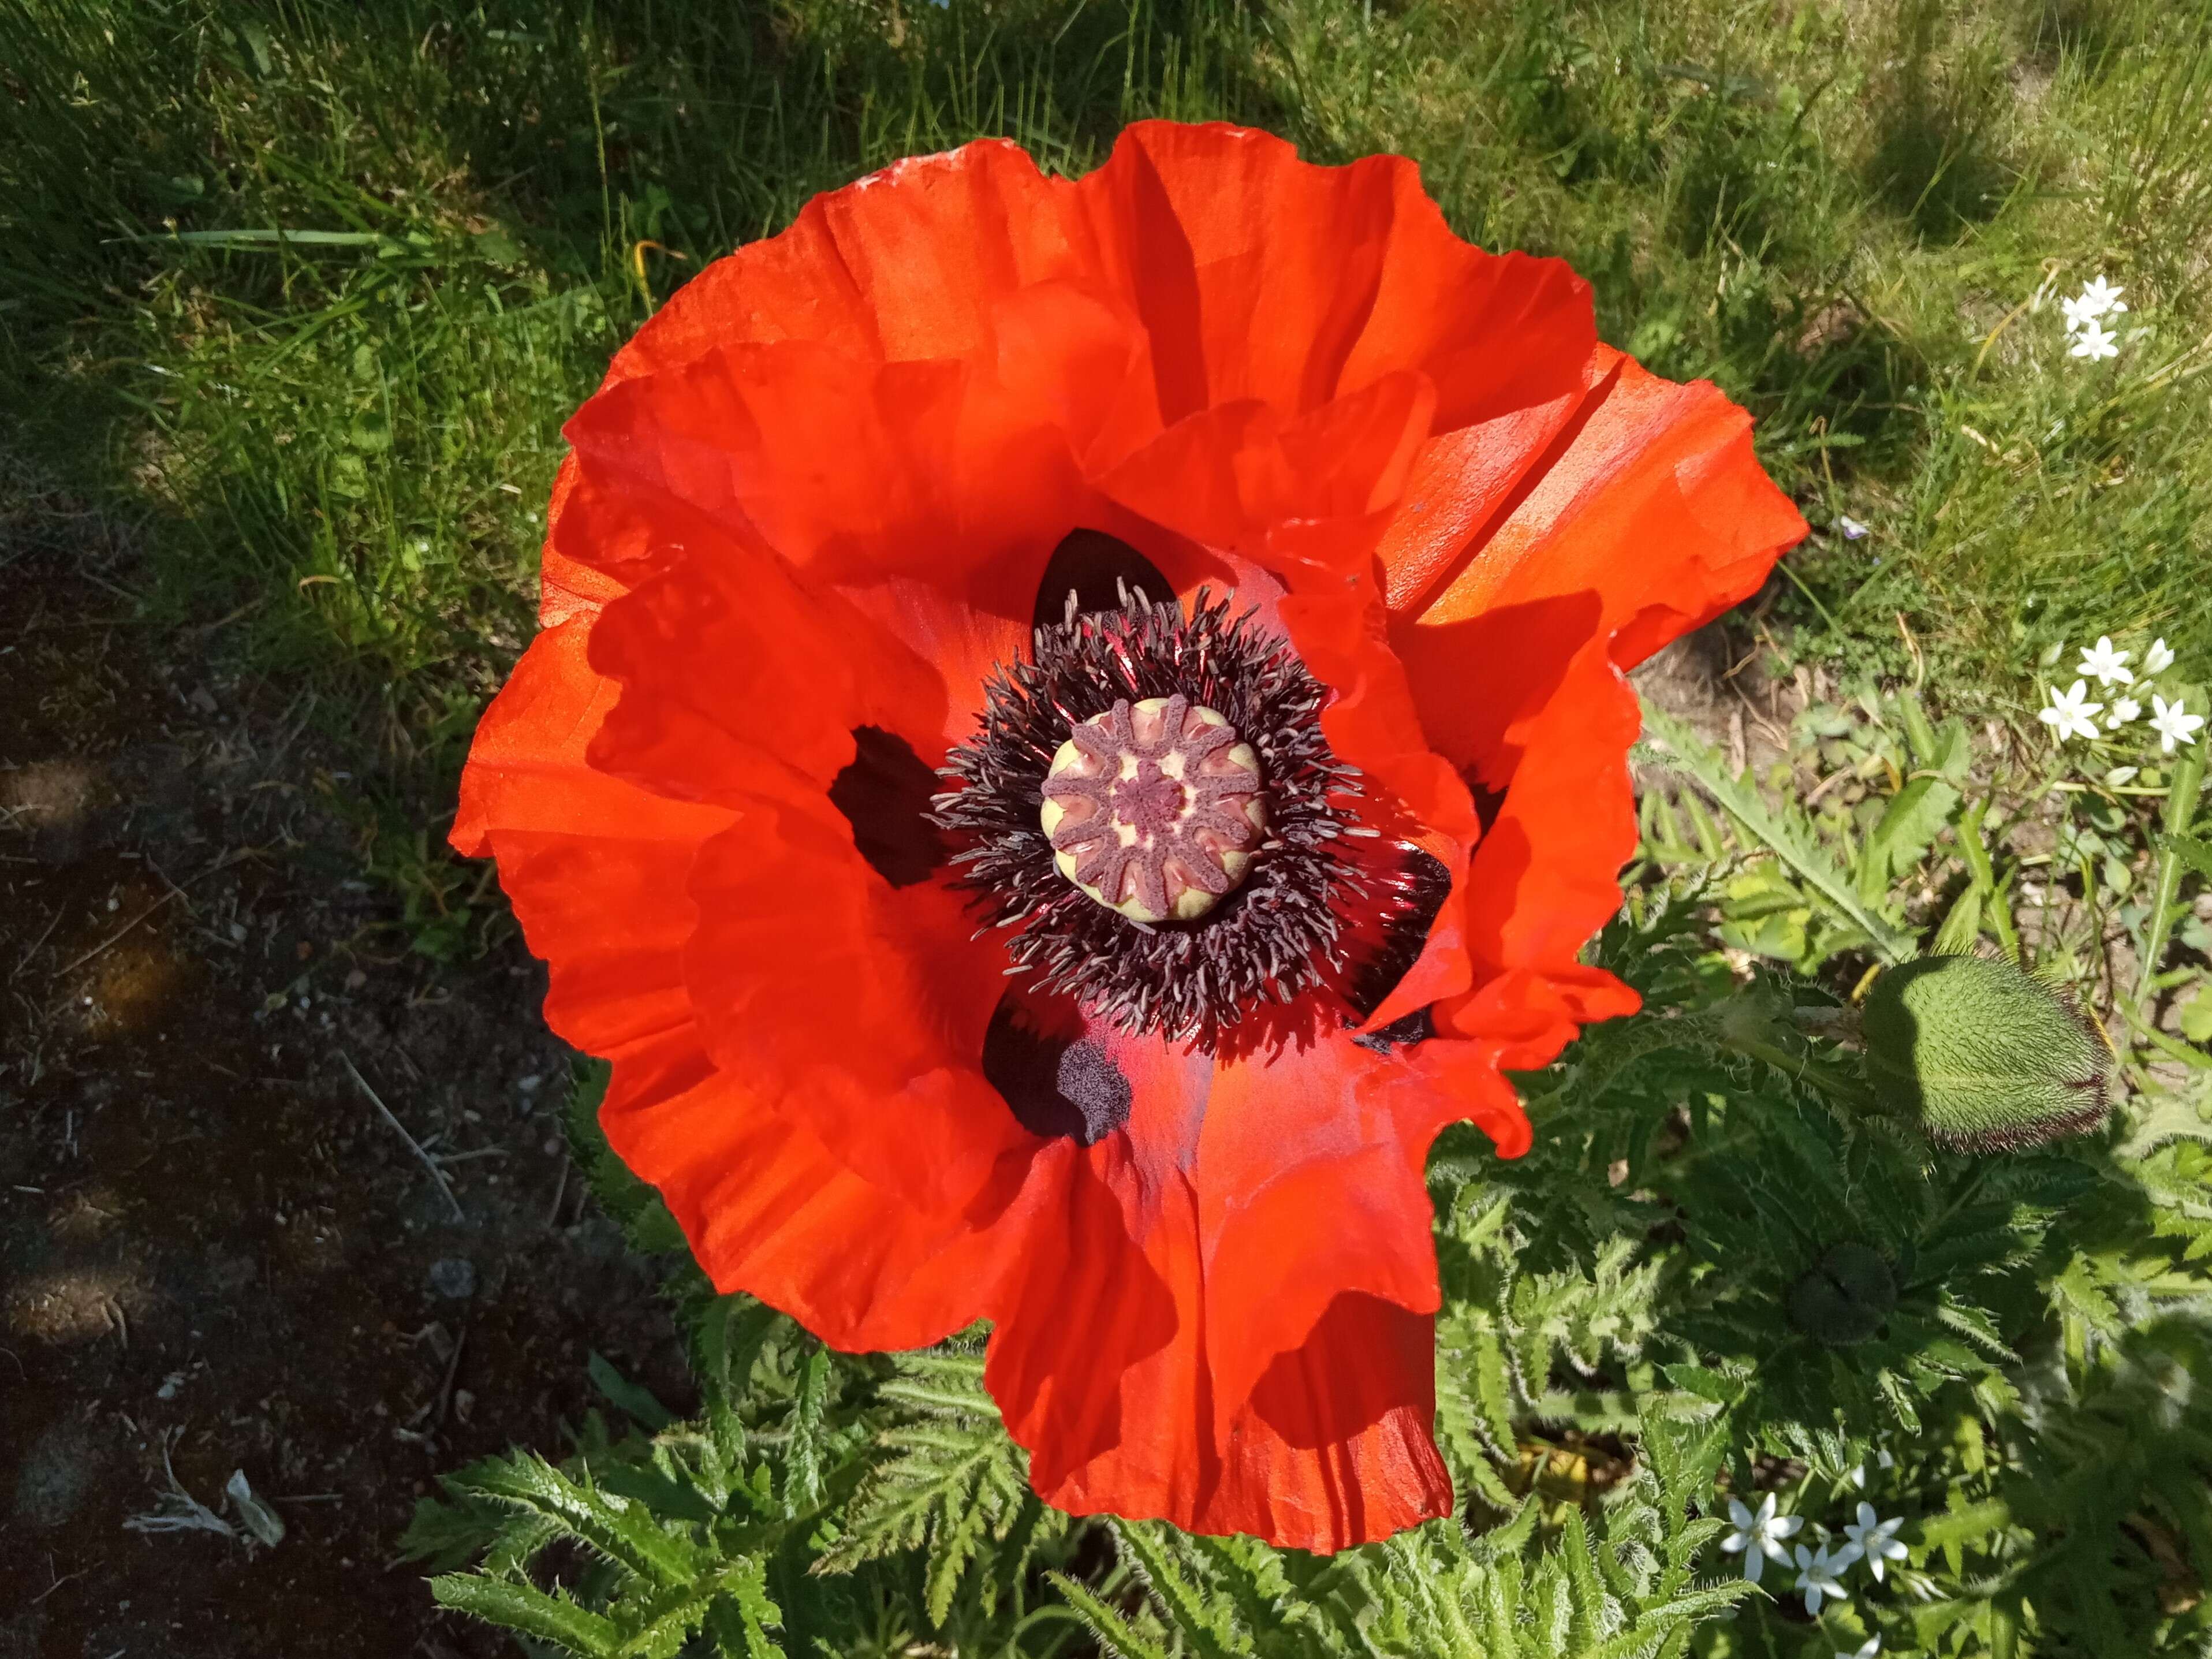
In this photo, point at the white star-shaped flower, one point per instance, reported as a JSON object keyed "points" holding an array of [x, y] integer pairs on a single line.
{"points": [[2123, 710], [2104, 665], [2094, 342], [2078, 312], [1876, 1538], [1820, 1575], [1759, 1535], [2069, 716], [2100, 296], [2173, 723], [2158, 658]]}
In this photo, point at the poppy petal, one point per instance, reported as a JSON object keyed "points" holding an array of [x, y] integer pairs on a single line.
{"points": [[1654, 503], [1097, 1363], [1308, 1183], [593, 867], [905, 265], [731, 662], [871, 1022], [1337, 1447], [967, 495], [596, 870], [1262, 276], [768, 1210]]}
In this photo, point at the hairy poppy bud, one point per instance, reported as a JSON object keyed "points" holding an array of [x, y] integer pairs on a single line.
{"points": [[1982, 1056], [1845, 1297]]}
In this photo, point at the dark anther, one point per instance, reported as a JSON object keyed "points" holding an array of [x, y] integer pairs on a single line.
{"points": [[1422, 884], [1095, 566], [1055, 1087], [884, 795], [1413, 1030]]}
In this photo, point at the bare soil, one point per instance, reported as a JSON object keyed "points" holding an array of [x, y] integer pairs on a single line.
{"points": [[211, 1243]]}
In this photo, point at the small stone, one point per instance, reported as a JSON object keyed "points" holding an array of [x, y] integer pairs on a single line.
{"points": [[453, 1276]]}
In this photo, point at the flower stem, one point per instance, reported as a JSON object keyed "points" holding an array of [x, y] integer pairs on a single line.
{"points": [[2180, 813]]}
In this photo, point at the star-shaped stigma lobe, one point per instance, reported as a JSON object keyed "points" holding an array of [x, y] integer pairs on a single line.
{"points": [[1154, 808]]}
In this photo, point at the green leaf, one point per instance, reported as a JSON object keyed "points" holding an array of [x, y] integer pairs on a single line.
{"points": [[1783, 831], [744, 1614], [1202, 1624], [529, 1611], [617, 1528], [1908, 826], [1968, 1525], [1120, 1637], [802, 1488], [631, 1397]]}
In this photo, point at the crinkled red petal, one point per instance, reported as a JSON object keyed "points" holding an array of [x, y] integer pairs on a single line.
{"points": [[1651, 500], [768, 1209], [1098, 1363], [861, 1006]]}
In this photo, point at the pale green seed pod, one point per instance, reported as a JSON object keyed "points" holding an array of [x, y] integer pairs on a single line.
{"points": [[1981, 1056]]}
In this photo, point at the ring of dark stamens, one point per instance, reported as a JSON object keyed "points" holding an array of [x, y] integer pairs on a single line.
{"points": [[1283, 933]]}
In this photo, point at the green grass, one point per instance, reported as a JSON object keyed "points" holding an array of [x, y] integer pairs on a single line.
{"points": [[343, 433]]}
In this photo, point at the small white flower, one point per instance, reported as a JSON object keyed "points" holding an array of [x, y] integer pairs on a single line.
{"points": [[2158, 658], [2123, 710], [2069, 716], [2094, 343], [1867, 1650], [2173, 723], [2103, 663], [1852, 529], [1820, 1575], [1759, 1535], [1876, 1538], [2078, 312], [2101, 297]]}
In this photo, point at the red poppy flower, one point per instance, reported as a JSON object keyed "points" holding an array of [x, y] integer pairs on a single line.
{"points": [[968, 465]]}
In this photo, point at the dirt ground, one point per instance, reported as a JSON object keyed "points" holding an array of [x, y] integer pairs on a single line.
{"points": [[212, 1245]]}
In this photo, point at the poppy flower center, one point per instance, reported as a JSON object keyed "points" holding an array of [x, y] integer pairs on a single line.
{"points": [[1153, 808], [1148, 814]]}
